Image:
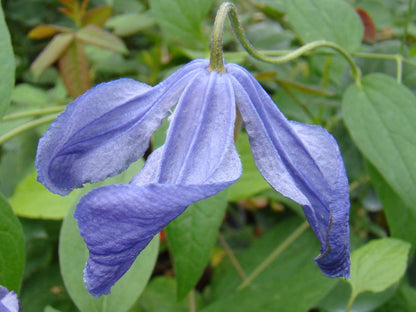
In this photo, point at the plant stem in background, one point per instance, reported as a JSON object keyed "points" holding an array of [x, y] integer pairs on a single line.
{"points": [[276, 253], [29, 125], [232, 257], [37, 112]]}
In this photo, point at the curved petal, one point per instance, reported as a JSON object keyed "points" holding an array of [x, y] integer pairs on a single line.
{"points": [[303, 163], [197, 161], [9, 302], [106, 129], [200, 136]]}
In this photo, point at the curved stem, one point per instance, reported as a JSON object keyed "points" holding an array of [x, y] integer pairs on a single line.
{"points": [[350, 302], [32, 124], [229, 9], [216, 57], [275, 253], [37, 112]]}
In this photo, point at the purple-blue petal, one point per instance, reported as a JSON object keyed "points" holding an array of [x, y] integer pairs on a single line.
{"points": [[197, 160], [9, 302], [302, 162], [103, 131]]}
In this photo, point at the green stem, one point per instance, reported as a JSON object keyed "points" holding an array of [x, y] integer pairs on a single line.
{"points": [[216, 57], [398, 58], [266, 262], [192, 306], [375, 56], [232, 257], [38, 112], [409, 62], [299, 103], [29, 125], [406, 27], [350, 302], [358, 183], [399, 65]]}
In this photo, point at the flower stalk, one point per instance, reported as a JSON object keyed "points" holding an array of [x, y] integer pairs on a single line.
{"points": [[228, 9]]}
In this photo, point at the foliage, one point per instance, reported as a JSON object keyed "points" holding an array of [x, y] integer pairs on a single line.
{"points": [[362, 91]]}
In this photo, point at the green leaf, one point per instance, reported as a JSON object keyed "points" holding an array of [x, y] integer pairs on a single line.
{"points": [[380, 116], [74, 69], [400, 217], [7, 65], [73, 255], [293, 282], [95, 35], [181, 19], [337, 299], [404, 300], [191, 237], [30, 96], [12, 249], [129, 24], [251, 181], [45, 287], [32, 200], [159, 296], [378, 265], [52, 52], [331, 20], [16, 159]]}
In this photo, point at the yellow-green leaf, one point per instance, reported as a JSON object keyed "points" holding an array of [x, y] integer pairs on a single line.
{"points": [[51, 53], [92, 34], [378, 265], [45, 31], [97, 16], [32, 200]]}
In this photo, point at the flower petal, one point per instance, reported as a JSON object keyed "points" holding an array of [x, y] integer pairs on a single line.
{"points": [[301, 162], [9, 302], [197, 161], [104, 130], [200, 138]]}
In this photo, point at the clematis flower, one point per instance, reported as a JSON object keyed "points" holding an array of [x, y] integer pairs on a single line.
{"points": [[9, 302], [107, 128]]}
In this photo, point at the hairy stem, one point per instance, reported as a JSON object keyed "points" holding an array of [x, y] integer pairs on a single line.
{"points": [[228, 9], [216, 57]]}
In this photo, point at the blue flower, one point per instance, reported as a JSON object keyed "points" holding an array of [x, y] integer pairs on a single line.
{"points": [[109, 127], [9, 302]]}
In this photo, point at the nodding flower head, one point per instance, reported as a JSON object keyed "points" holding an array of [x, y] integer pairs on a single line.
{"points": [[103, 131]]}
